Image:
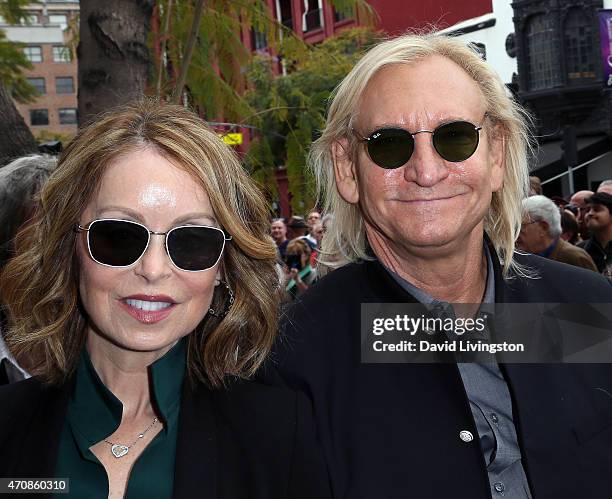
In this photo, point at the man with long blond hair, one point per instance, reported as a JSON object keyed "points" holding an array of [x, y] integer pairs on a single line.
{"points": [[424, 162]]}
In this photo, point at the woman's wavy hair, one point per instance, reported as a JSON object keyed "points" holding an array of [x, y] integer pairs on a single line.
{"points": [[39, 287], [346, 240]]}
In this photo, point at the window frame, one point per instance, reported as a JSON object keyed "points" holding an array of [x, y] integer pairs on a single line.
{"points": [[542, 73], [65, 50], [44, 84], [57, 87], [63, 24], [28, 54], [43, 110], [580, 62], [62, 110]]}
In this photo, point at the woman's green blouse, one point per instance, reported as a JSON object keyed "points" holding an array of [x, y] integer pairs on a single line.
{"points": [[94, 413]]}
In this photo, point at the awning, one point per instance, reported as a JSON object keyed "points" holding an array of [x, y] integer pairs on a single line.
{"points": [[549, 160]]}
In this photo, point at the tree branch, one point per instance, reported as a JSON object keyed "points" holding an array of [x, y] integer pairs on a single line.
{"points": [[193, 37], [164, 47]]}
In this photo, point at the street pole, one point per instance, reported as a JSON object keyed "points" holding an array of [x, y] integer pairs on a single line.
{"points": [[570, 153]]}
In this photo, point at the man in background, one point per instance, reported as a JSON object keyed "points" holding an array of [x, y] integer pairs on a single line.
{"points": [[599, 223], [298, 229], [541, 234], [535, 186], [605, 186], [578, 200], [569, 227], [278, 231], [313, 218]]}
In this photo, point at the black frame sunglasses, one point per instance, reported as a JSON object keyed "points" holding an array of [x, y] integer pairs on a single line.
{"points": [[391, 148], [113, 242]]}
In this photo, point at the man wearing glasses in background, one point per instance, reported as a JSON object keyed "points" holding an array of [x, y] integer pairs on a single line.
{"points": [[423, 163], [578, 200]]}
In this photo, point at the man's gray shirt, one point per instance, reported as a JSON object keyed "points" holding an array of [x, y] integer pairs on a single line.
{"points": [[490, 403]]}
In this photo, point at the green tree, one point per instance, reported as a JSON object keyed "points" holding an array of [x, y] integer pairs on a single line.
{"points": [[15, 137], [197, 57], [290, 110], [213, 75]]}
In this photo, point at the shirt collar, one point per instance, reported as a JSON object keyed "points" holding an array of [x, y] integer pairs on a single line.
{"points": [[427, 299], [13, 369], [548, 251], [95, 412]]}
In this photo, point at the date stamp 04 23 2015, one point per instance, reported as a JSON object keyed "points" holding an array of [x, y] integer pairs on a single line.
{"points": [[34, 485]]}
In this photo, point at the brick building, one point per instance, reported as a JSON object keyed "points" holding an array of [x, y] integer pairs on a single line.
{"points": [[54, 73]]}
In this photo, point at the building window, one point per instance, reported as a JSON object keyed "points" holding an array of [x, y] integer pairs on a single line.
{"points": [[64, 85], [38, 84], [61, 19], [33, 53], [579, 39], [39, 117], [339, 16], [313, 15], [542, 56], [61, 53], [258, 40], [284, 13], [68, 116], [29, 19]]}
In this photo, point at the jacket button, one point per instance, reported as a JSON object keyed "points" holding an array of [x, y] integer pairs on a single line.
{"points": [[466, 436]]}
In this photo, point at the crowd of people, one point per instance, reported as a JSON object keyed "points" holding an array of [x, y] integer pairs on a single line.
{"points": [[298, 243], [576, 231], [162, 337]]}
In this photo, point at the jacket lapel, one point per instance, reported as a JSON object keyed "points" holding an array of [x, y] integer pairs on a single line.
{"points": [[195, 469]]}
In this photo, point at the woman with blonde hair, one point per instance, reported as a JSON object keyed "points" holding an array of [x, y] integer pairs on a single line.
{"points": [[141, 295]]}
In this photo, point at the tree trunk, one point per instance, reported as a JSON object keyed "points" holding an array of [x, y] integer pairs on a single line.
{"points": [[15, 137], [114, 59]]}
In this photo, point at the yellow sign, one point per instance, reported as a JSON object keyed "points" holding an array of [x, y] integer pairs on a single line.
{"points": [[232, 139]]}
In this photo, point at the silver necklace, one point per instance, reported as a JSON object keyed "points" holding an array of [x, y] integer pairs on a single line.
{"points": [[120, 450]]}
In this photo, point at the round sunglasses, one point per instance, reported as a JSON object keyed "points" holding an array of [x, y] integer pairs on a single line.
{"points": [[391, 148], [121, 243]]}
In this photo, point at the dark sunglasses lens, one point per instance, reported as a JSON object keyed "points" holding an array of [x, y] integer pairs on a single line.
{"points": [[117, 243], [390, 147], [195, 248], [456, 141]]}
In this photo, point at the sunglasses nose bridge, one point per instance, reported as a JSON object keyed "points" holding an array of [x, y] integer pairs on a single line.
{"points": [[425, 167], [154, 262], [426, 141]]}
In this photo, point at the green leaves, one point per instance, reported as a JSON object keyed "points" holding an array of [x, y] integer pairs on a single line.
{"points": [[12, 59], [297, 105], [228, 83], [14, 12]]}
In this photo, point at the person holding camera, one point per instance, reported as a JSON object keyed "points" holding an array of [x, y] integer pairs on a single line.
{"points": [[299, 275]]}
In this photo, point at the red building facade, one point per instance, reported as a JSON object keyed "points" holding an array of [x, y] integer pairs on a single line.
{"points": [[316, 20]]}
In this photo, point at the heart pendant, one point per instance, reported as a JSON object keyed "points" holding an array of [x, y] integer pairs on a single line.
{"points": [[119, 450]]}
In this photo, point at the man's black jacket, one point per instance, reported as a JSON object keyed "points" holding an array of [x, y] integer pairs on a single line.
{"points": [[392, 430]]}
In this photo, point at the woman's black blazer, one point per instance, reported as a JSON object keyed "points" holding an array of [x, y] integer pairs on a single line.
{"points": [[248, 441]]}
